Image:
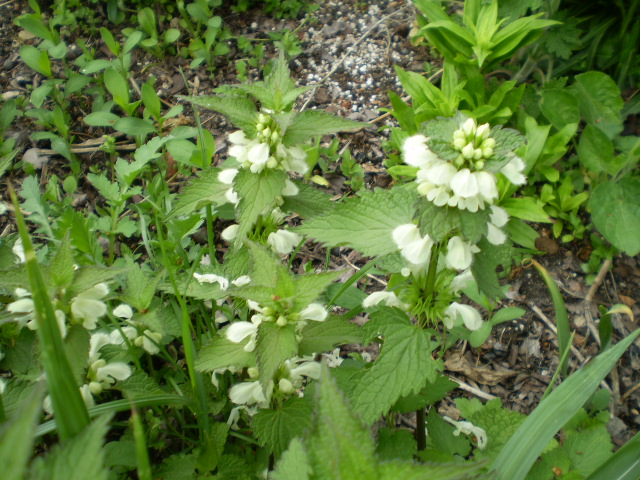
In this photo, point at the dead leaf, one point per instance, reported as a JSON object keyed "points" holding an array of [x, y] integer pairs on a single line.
{"points": [[628, 301], [482, 375], [34, 158]]}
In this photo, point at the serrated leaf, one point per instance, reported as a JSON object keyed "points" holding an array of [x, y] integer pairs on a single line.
{"points": [[139, 384], [403, 367], [588, 448], [275, 345], [178, 467], [324, 336], [484, 267], [294, 463], [76, 347], [364, 223], [615, 211], [81, 458], [276, 428], [212, 447], [239, 110], [433, 392], [140, 288], [308, 287], [264, 265], [600, 101], [438, 222], [257, 192], [39, 212], [14, 277], [89, 275], [441, 436], [62, 269], [163, 320], [313, 123], [202, 191], [396, 444], [341, 447], [309, 201], [262, 295], [221, 353], [411, 471]]}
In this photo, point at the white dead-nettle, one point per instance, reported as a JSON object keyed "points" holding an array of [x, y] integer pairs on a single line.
{"points": [[226, 176], [103, 375], [461, 281], [315, 312], [292, 159], [25, 305], [469, 428], [389, 299], [230, 233], [88, 305], [498, 218], [290, 189], [212, 278], [18, 251], [247, 393], [238, 331], [149, 340], [459, 253], [416, 153], [283, 241], [333, 359], [470, 316], [413, 246], [241, 281]]}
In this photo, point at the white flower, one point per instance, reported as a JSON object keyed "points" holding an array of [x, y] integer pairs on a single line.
{"points": [[464, 184], [416, 153], [150, 341], [24, 305], [123, 311], [242, 280], [212, 278], [469, 127], [315, 312], [18, 251], [470, 316], [406, 234], [227, 175], [469, 428], [87, 397], [88, 305], [290, 189], [483, 132], [285, 386], [247, 393], [459, 253], [283, 241], [487, 186], [111, 372], [238, 138], [238, 331], [415, 248], [305, 369], [499, 216], [258, 156], [441, 173], [461, 281], [495, 235], [292, 159], [3, 386], [513, 171], [388, 298], [333, 359]]}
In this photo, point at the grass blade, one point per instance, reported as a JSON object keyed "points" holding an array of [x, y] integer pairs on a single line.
{"points": [[522, 449], [562, 317], [142, 455], [622, 465], [68, 406]]}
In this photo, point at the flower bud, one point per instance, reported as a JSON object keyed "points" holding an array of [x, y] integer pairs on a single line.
{"points": [[266, 132], [458, 135], [96, 388], [268, 311], [285, 386], [260, 127], [275, 136], [479, 165], [487, 152], [262, 118], [272, 162], [469, 127], [483, 132], [488, 143], [468, 151], [282, 321], [477, 154], [253, 372], [459, 143]]}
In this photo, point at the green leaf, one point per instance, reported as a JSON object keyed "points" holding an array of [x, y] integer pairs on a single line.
{"points": [[134, 126], [30, 192], [560, 107], [600, 101], [364, 223], [341, 447], [405, 470], [101, 119], [622, 465], [275, 345], [308, 287], [541, 425], [484, 266], [439, 222], [396, 444], [309, 201], [140, 287], [36, 60], [257, 192], [313, 123], [81, 458], [615, 211], [276, 428], [89, 275], [179, 466], [221, 352], [76, 347], [441, 436], [294, 463], [264, 265], [117, 86], [62, 268], [595, 150], [404, 366], [202, 191], [525, 208], [433, 392], [213, 446], [588, 448], [239, 110], [16, 437], [324, 336]]}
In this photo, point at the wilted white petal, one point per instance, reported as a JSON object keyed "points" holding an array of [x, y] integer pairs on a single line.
{"points": [[227, 175], [242, 280], [212, 278], [238, 331], [388, 298], [499, 216], [306, 369], [469, 428], [123, 311], [283, 241], [247, 393], [495, 235], [470, 316], [513, 171], [333, 359], [464, 184], [314, 311]]}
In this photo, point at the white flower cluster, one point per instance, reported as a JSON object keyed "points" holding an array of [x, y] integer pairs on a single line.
{"points": [[238, 331], [463, 183], [148, 339], [267, 149]]}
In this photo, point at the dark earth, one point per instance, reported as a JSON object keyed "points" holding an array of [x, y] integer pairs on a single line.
{"points": [[349, 48]]}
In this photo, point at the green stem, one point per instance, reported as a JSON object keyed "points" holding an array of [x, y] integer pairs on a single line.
{"points": [[421, 433]]}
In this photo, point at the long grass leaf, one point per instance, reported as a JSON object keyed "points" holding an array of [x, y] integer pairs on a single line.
{"points": [[562, 317], [622, 465], [522, 449], [142, 455], [68, 406]]}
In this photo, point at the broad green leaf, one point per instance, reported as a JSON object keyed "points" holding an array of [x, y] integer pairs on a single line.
{"points": [[212, 447], [340, 447], [484, 266], [588, 448], [324, 336], [62, 270], [117, 86], [294, 463], [517, 457], [80, 458], [265, 265], [221, 353], [439, 222], [96, 66], [525, 208], [257, 192], [364, 223], [140, 288], [89, 275], [622, 465], [314, 123], [16, 437], [600, 101], [396, 444], [309, 201], [179, 466], [441, 436], [350, 297], [404, 366], [276, 428], [36, 59], [202, 191], [101, 119], [560, 107], [405, 470], [432, 392], [275, 345], [595, 150], [134, 126], [239, 110], [30, 191], [308, 287], [615, 211]]}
